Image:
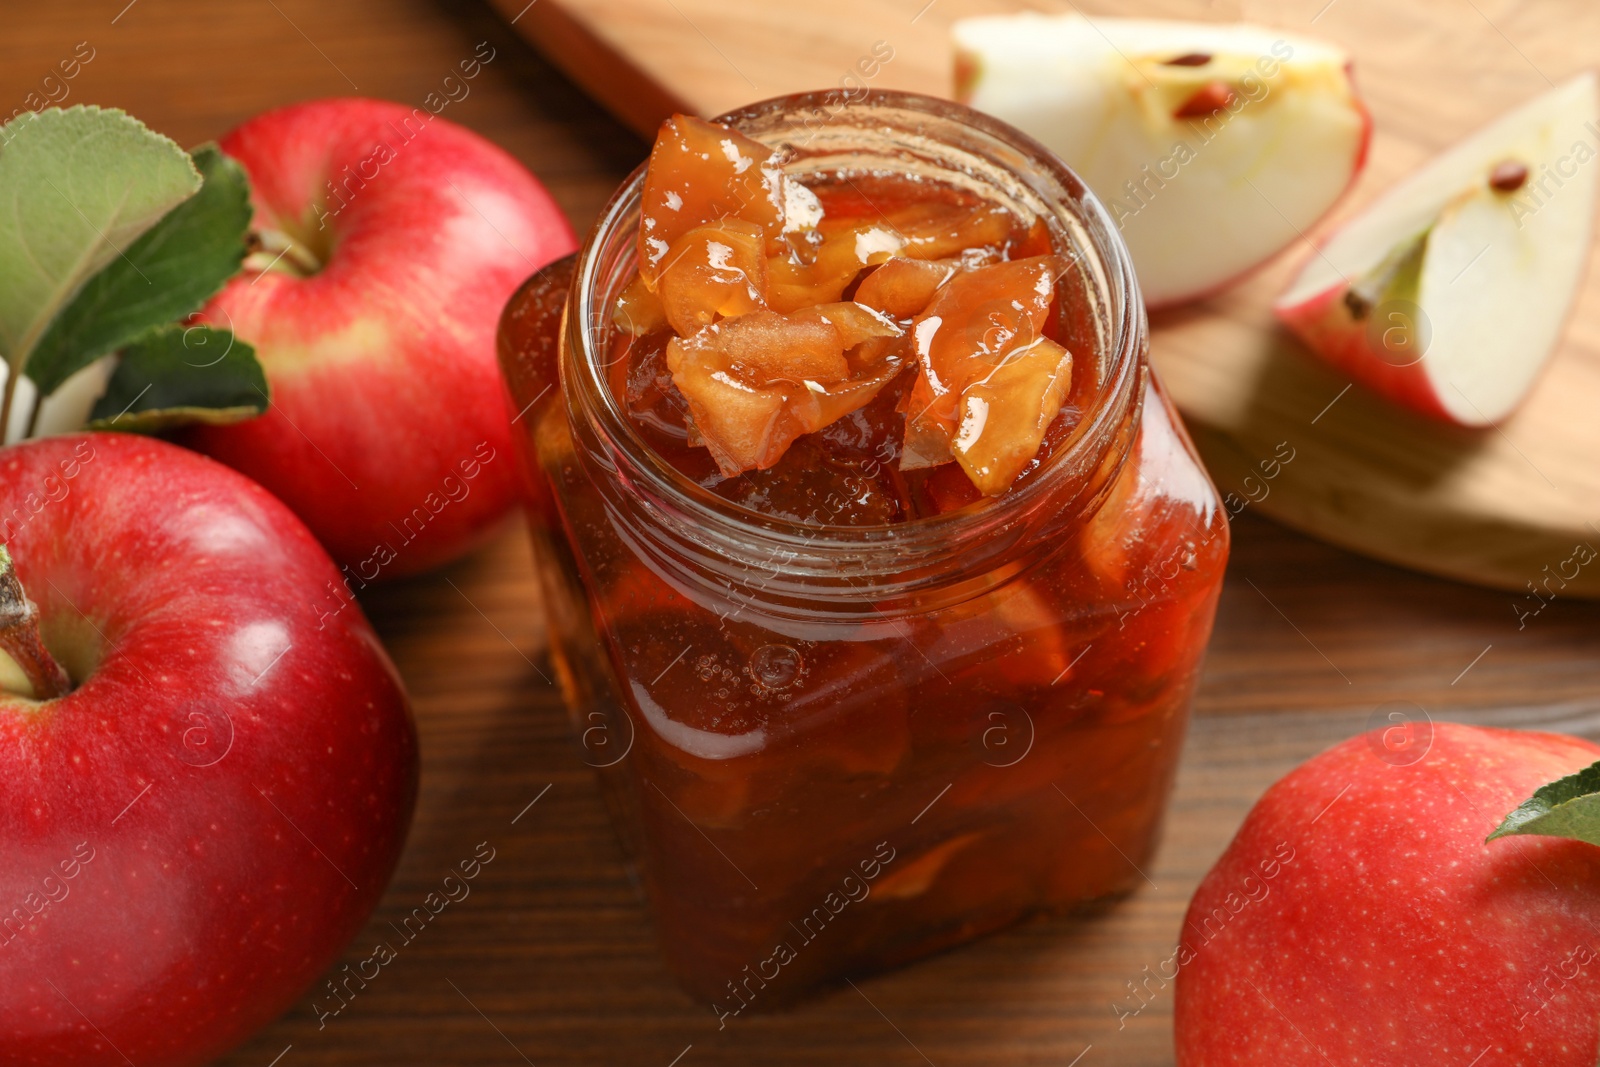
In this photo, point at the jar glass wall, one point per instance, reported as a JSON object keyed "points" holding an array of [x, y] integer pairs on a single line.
{"points": [[834, 749]]}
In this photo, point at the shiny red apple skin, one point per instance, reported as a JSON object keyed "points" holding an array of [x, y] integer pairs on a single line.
{"points": [[1395, 934], [385, 390], [1356, 348], [244, 809]]}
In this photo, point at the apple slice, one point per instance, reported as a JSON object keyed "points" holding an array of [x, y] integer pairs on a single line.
{"points": [[844, 248], [903, 287], [713, 271], [1213, 146], [990, 382], [1448, 294], [701, 172], [756, 383]]}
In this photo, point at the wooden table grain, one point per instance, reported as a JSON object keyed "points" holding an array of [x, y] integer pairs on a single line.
{"points": [[550, 960]]}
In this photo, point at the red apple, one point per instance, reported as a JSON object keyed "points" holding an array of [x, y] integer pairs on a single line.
{"points": [[1360, 918], [191, 835], [405, 235]]}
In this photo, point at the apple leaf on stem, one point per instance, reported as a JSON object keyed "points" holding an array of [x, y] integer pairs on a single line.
{"points": [[110, 235], [1566, 807], [76, 188], [175, 374], [167, 274]]}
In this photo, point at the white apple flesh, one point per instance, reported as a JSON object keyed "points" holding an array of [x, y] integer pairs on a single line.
{"points": [[1449, 293], [1213, 146]]}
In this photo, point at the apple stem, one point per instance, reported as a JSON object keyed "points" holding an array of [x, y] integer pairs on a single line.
{"points": [[19, 637], [33, 417], [274, 250], [6, 397]]}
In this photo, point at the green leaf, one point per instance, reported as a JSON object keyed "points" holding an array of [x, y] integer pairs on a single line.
{"points": [[1567, 807], [77, 187], [167, 274], [175, 375]]}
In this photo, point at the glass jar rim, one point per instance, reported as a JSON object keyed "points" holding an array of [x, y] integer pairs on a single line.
{"points": [[586, 386]]}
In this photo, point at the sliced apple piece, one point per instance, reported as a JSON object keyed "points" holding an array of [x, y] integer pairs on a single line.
{"points": [[824, 273], [990, 381], [1449, 293], [856, 323], [757, 382], [701, 172], [875, 350], [936, 231], [1213, 146], [1005, 413], [843, 248], [638, 311], [901, 288], [715, 271]]}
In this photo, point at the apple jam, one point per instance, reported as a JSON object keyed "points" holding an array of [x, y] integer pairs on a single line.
{"points": [[879, 569]]}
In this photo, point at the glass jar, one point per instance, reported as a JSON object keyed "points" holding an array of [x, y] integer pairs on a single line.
{"points": [[834, 749]]}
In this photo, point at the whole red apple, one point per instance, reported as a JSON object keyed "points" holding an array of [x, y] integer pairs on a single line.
{"points": [[190, 836], [1359, 918], [398, 238]]}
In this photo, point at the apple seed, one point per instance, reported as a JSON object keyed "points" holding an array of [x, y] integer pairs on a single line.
{"points": [[1360, 307], [1207, 100], [1508, 176], [1190, 59]]}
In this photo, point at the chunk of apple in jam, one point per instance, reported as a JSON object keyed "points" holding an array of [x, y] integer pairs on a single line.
{"points": [[699, 173], [748, 270], [821, 270], [989, 382], [638, 311], [855, 322], [873, 351], [937, 230], [1004, 415], [818, 271], [713, 271], [756, 383], [901, 288], [792, 284], [949, 489]]}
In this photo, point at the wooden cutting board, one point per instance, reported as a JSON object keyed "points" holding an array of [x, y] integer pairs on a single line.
{"points": [[1504, 507]]}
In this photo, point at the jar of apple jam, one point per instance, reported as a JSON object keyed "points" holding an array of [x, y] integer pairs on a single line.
{"points": [[879, 568]]}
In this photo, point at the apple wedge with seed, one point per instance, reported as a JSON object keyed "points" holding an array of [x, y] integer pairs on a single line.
{"points": [[1449, 293], [1213, 146]]}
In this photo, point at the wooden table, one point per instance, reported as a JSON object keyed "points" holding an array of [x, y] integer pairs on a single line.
{"points": [[551, 960]]}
